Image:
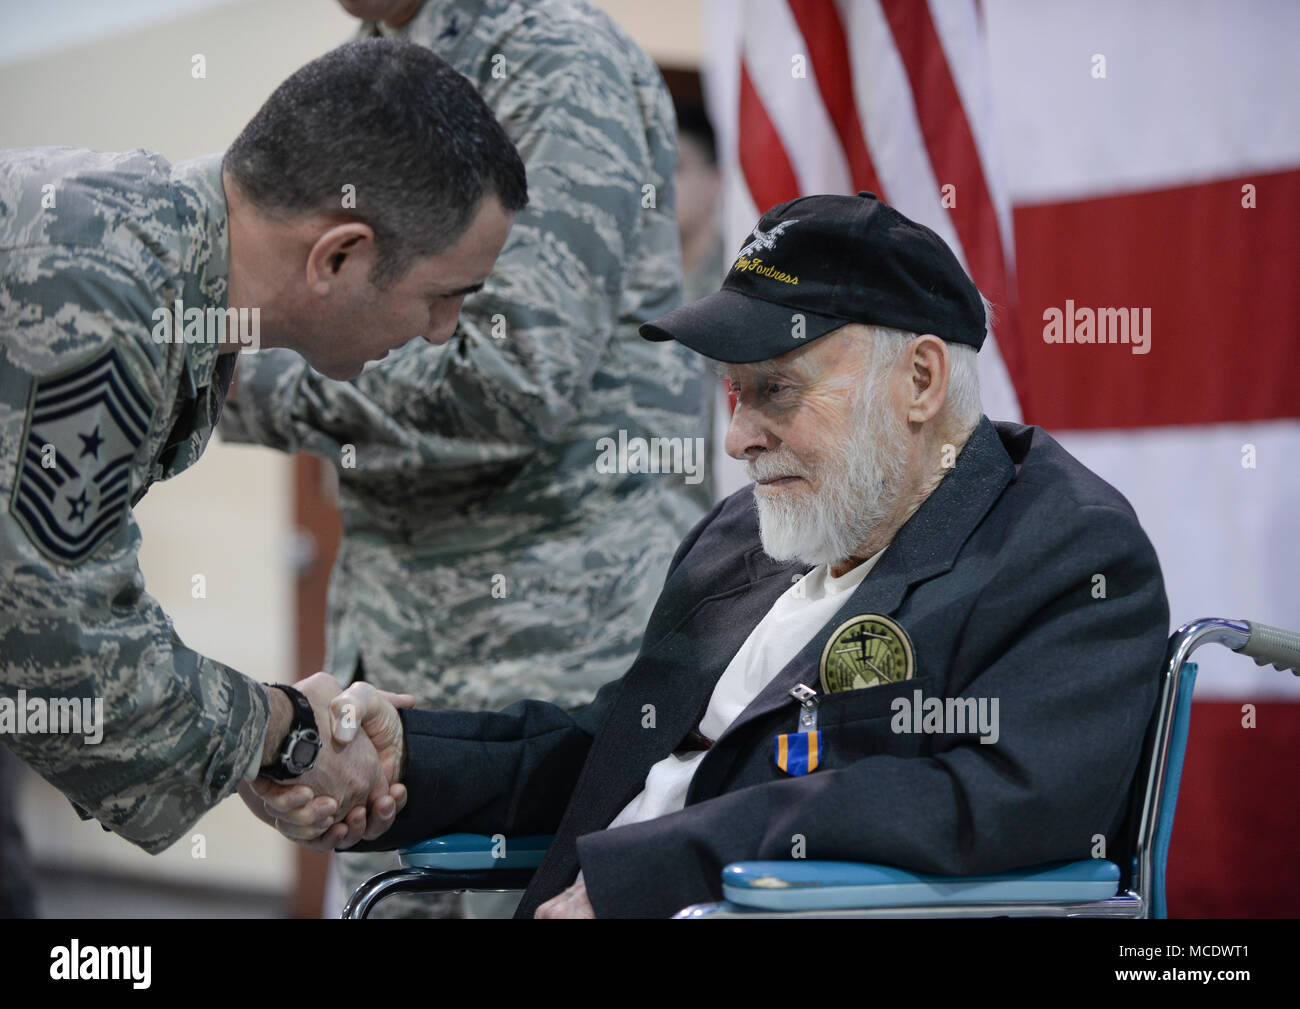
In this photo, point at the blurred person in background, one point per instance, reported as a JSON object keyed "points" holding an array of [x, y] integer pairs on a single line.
{"points": [[699, 203], [704, 258]]}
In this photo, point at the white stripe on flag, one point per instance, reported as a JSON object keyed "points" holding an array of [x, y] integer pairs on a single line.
{"points": [[772, 41], [1192, 92], [1224, 534], [889, 123], [965, 51], [893, 136], [721, 73]]}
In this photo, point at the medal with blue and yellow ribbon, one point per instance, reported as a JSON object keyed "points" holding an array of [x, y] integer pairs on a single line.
{"points": [[798, 752]]}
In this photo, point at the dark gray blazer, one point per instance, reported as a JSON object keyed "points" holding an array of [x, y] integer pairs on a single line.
{"points": [[993, 580]]}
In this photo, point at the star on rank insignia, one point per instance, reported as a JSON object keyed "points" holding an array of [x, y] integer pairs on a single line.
{"points": [[866, 651], [83, 430]]}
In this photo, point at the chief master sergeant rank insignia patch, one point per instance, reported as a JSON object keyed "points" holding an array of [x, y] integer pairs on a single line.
{"points": [[83, 430]]}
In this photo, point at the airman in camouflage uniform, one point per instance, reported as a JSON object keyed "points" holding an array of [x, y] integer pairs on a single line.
{"points": [[93, 411], [485, 557], [115, 358]]}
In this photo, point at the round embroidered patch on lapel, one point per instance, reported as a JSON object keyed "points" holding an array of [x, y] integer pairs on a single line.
{"points": [[866, 651]]}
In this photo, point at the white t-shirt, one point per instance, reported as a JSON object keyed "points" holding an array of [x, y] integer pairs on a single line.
{"points": [[789, 625]]}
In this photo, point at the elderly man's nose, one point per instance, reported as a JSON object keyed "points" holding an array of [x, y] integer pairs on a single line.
{"points": [[747, 435]]}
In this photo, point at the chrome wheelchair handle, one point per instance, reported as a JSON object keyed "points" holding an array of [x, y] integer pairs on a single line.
{"points": [[1272, 646], [1266, 645], [1260, 642]]}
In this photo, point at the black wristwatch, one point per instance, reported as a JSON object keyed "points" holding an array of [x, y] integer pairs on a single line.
{"points": [[301, 742]]}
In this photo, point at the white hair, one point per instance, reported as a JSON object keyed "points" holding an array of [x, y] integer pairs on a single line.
{"points": [[964, 404]]}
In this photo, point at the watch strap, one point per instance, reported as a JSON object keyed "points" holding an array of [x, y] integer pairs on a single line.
{"points": [[304, 718]]}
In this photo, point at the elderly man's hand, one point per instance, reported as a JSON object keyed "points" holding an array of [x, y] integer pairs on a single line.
{"points": [[572, 903], [356, 773], [363, 707]]}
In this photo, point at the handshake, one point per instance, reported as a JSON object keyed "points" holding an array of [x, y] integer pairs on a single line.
{"points": [[353, 791]]}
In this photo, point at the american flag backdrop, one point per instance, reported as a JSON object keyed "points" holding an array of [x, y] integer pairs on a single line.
{"points": [[1102, 155]]}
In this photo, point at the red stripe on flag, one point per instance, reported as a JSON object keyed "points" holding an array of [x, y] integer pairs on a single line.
{"points": [[763, 159], [955, 158], [828, 51], [1232, 854], [1218, 278]]}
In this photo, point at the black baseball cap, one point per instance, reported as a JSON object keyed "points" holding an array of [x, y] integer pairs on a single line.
{"points": [[831, 260]]}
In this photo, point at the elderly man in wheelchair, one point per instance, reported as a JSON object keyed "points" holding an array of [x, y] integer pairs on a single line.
{"points": [[920, 639]]}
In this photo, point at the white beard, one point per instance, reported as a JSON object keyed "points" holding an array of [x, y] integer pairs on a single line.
{"points": [[861, 481]]}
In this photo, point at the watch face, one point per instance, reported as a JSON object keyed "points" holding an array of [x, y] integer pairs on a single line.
{"points": [[301, 751], [304, 752]]}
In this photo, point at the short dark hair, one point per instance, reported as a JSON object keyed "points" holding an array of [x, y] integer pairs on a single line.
{"points": [[398, 123]]}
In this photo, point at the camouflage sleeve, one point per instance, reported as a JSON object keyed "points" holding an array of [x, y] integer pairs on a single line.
{"points": [[97, 692], [521, 363]]}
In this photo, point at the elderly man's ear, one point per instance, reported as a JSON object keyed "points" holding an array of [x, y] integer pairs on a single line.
{"points": [[928, 372]]}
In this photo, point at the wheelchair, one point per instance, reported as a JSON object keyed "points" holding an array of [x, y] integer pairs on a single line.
{"points": [[1090, 888]]}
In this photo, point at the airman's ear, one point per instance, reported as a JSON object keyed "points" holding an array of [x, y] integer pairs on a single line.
{"points": [[343, 250]]}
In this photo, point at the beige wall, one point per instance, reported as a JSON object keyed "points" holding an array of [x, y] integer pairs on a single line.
{"points": [[669, 30], [229, 517]]}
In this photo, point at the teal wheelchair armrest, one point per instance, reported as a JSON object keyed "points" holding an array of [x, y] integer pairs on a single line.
{"points": [[464, 852], [815, 886]]}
